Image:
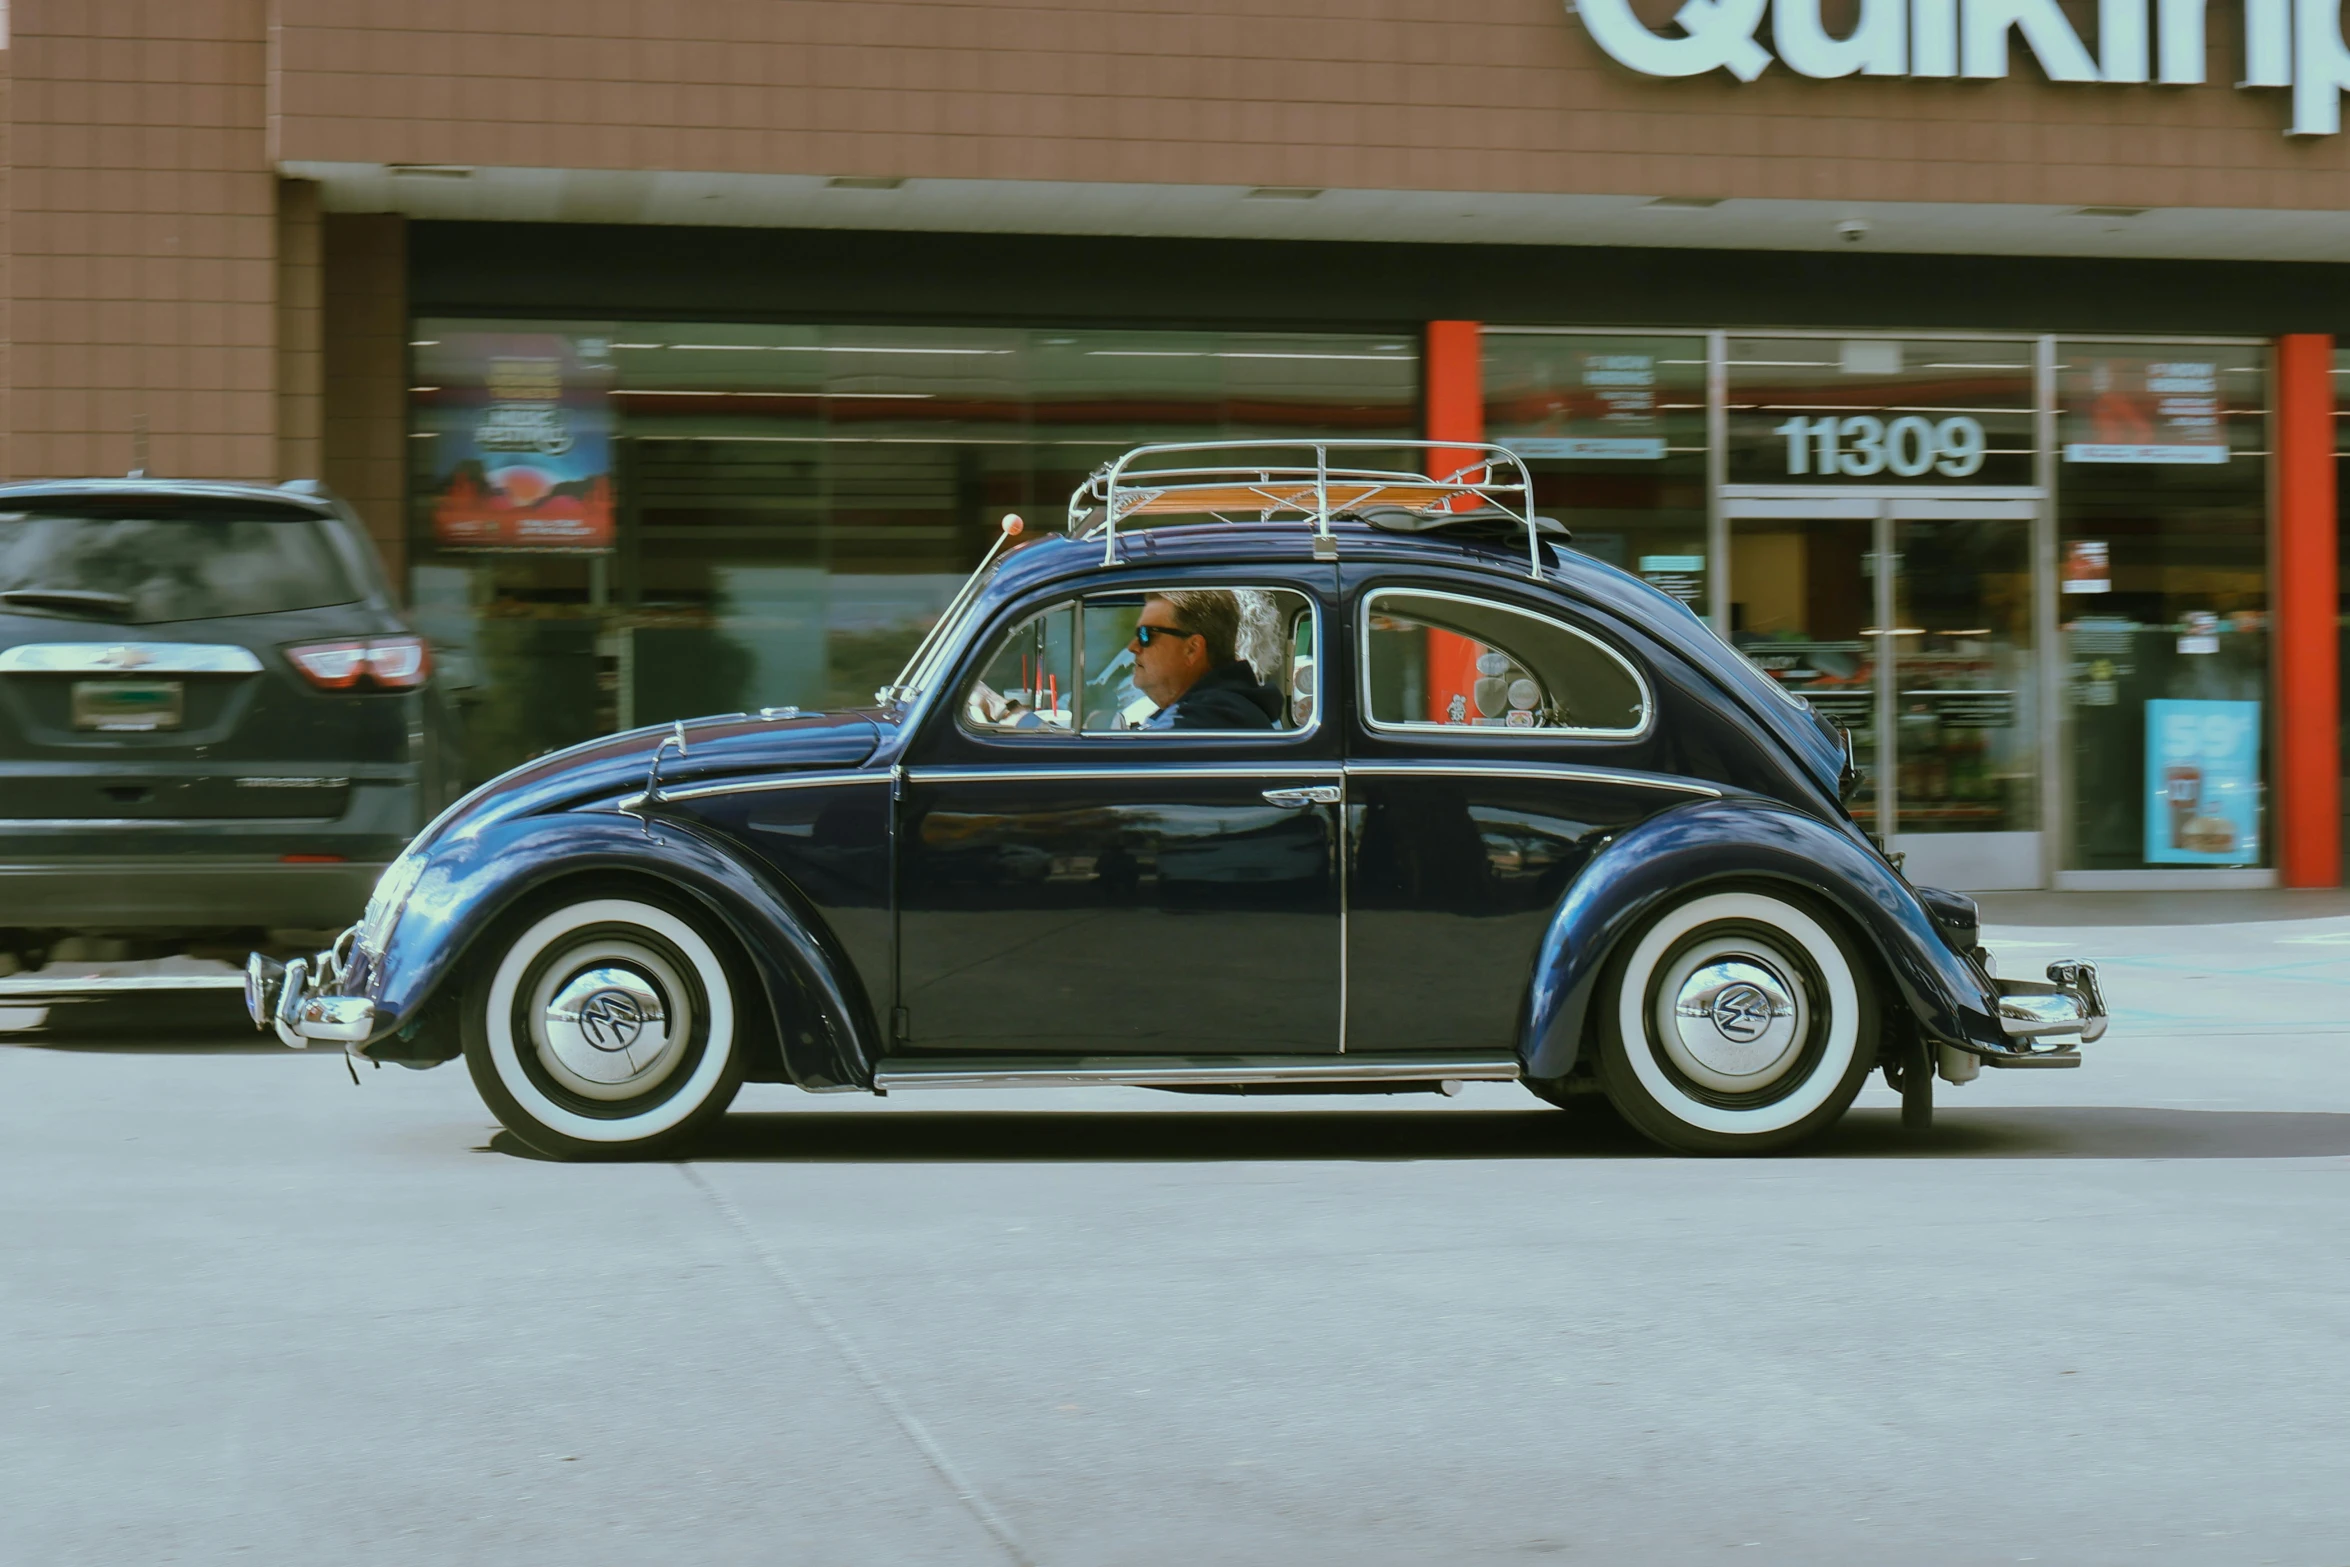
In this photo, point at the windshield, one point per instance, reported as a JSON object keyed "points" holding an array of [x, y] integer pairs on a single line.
{"points": [[140, 561], [941, 639]]}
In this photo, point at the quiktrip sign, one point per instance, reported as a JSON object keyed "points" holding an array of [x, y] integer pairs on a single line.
{"points": [[2294, 44]]}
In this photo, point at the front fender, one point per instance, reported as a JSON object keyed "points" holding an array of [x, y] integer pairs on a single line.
{"points": [[824, 1025], [1746, 839]]}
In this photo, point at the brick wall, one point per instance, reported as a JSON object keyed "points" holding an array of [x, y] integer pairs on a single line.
{"points": [[1501, 95], [7, 261], [142, 239]]}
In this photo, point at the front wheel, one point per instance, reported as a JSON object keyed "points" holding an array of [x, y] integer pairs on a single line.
{"points": [[1736, 1022], [604, 1027]]}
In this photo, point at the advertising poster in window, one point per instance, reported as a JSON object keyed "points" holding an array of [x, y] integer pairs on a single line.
{"points": [[2202, 783], [521, 431], [2088, 566], [2158, 407], [1605, 407]]}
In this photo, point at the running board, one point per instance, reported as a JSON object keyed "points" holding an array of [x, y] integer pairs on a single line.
{"points": [[84, 987], [1188, 1071]]}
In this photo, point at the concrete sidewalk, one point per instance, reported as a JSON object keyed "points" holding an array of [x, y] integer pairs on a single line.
{"points": [[2162, 908]]}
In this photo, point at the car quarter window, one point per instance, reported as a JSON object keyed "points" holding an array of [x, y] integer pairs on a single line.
{"points": [[1164, 659], [1434, 660]]}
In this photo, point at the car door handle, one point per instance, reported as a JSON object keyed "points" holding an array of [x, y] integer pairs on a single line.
{"points": [[1313, 794]]}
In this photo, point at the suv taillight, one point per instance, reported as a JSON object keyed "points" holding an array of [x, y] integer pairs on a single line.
{"points": [[380, 663]]}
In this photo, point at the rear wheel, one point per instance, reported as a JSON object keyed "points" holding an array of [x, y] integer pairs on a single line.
{"points": [[604, 1027], [1735, 1022]]}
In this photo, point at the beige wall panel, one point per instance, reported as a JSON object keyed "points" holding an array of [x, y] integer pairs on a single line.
{"points": [[365, 342], [142, 233], [301, 365], [1499, 95], [9, 316]]}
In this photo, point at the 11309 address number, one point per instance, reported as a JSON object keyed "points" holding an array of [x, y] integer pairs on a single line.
{"points": [[1862, 444]]}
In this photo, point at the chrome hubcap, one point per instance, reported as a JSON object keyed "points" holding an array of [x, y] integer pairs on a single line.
{"points": [[612, 1020], [1732, 1018]]}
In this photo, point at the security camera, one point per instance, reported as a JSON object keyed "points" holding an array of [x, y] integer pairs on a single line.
{"points": [[1853, 230]]}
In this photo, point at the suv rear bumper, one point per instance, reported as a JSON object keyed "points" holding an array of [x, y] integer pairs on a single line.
{"points": [[183, 893]]}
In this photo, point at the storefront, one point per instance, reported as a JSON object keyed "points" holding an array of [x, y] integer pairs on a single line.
{"points": [[618, 523], [2029, 572]]}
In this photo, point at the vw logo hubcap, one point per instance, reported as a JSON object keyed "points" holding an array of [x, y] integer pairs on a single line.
{"points": [[1741, 1012], [1734, 1020], [611, 1020], [605, 1031]]}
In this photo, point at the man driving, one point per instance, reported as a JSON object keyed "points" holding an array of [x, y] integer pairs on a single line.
{"points": [[1186, 660]]}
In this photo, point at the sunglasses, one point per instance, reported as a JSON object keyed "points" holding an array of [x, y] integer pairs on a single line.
{"points": [[1144, 636]]}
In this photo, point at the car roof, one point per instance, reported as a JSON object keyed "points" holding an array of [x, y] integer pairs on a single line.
{"points": [[1058, 556], [1268, 543], [315, 501]]}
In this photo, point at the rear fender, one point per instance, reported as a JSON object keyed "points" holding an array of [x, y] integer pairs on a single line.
{"points": [[1672, 854], [824, 1023]]}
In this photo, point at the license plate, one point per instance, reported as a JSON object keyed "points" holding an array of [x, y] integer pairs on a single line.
{"points": [[126, 706]]}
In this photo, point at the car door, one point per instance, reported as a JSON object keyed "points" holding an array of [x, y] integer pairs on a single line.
{"points": [[1493, 745], [1071, 884]]}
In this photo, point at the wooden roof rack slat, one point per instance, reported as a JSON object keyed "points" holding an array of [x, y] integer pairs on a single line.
{"points": [[1269, 479]]}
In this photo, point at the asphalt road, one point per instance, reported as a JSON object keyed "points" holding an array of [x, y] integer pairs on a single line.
{"points": [[249, 1312]]}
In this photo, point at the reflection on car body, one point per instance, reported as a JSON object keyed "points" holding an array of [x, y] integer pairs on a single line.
{"points": [[1513, 815]]}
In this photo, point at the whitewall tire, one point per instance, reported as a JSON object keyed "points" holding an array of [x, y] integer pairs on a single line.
{"points": [[604, 1027], [1736, 1022]]}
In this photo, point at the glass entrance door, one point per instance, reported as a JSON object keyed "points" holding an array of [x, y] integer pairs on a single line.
{"points": [[1929, 661], [1965, 742], [1803, 606]]}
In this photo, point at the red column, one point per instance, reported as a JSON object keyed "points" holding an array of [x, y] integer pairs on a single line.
{"points": [[1453, 410], [2308, 717], [1455, 380]]}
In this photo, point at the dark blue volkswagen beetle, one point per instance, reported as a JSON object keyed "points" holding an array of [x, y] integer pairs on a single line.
{"points": [[1343, 779]]}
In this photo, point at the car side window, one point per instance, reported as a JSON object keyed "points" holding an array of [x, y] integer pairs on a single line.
{"points": [[1436, 660], [1197, 660]]}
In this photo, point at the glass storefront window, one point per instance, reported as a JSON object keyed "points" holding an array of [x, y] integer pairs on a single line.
{"points": [[1613, 429], [2163, 602], [622, 522], [1878, 411]]}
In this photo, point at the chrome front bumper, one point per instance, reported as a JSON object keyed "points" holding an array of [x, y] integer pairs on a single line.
{"points": [[2068, 1002], [298, 1000]]}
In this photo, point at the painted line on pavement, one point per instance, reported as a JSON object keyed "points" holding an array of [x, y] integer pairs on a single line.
{"points": [[916, 1432]]}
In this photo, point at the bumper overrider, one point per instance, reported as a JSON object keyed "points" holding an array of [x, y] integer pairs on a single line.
{"points": [[315, 998], [300, 1001], [2035, 1012]]}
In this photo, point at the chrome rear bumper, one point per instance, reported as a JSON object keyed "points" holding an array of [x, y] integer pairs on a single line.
{"points": [[2068, 1002], [297, 1000]]}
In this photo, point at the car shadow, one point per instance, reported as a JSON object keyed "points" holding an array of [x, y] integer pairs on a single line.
{"points": [[1018, 1137], [199, 1022], [181, 1042]]}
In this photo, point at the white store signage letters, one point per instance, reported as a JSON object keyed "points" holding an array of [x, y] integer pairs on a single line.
{"points": [[2287, 43]]}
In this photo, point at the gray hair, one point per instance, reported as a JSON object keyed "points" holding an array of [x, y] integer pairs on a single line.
{"points": [[1214, 613]]}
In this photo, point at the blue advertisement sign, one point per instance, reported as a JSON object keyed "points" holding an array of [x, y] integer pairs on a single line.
{"points": [[2202, 783], [521, 430]]}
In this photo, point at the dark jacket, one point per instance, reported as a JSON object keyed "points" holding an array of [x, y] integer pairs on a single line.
{"points": [[1230, 696]]}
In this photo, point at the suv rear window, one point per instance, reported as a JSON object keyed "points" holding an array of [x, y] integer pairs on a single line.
{"points": [[141, 561]]}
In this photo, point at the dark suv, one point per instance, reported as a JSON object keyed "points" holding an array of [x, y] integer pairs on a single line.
{"points": [[212, 717]]}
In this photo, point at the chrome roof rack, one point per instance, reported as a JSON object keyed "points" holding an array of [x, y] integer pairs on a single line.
{"points": [[1274, 479]]}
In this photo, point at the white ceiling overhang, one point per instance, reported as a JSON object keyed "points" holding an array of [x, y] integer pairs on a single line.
{"points": [[1235, 212]]}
